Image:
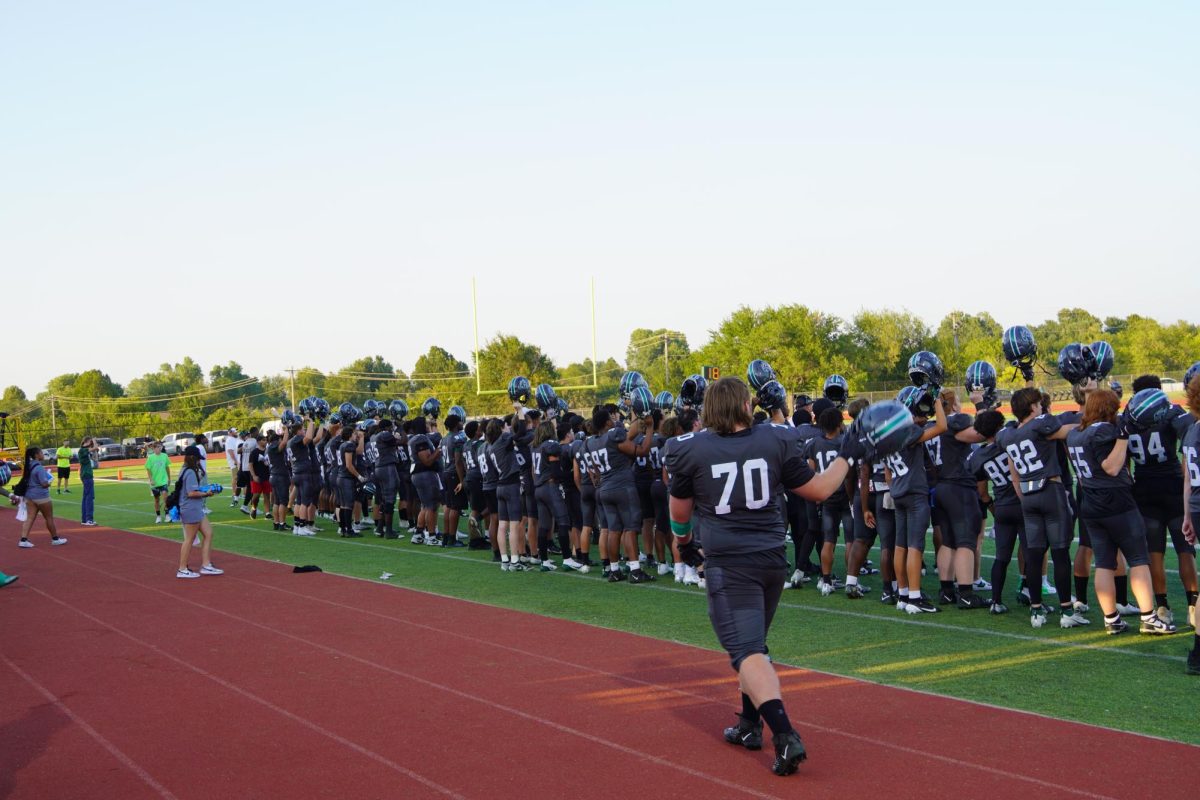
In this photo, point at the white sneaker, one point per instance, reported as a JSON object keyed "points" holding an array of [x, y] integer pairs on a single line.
{"points": [[702, 583], [549, 566], [642, 557], [158, 520], [679, 573], [1128, 610], [663, 569], [24, 543], [910, 608], [58, 541], [690, 576], [1192, 616], [824, 588], [584, 569], [1073, 620], [1162, 612], [245, 509], [89, 524], [313, 530], [417, 538], [902, 603], [1047, 588], [1080, 606], [462, 537], [981, 585], [211, 570], [572, 564], [186, 573], [300, 531]]}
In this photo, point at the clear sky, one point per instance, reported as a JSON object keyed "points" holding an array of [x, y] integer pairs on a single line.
{"points": [[224, 179]]}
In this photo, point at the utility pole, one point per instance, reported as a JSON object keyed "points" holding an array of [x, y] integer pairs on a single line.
{"points": [[292, 373], [666, 366], [53, 419]]}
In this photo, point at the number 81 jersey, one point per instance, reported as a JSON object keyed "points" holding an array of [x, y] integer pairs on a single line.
{"points": [[737, 482]]}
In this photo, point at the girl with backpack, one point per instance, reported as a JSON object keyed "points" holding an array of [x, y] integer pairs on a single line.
{"points": [[34, 486], [192, 492]]}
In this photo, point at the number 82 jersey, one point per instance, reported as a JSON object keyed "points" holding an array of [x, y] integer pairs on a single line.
{"points": [[737, 482]]}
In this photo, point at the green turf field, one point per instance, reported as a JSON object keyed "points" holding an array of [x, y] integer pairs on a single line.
{"points": [[1129, 682]]}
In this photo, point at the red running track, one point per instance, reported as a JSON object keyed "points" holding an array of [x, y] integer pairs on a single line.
{"points": [[119, 681]]}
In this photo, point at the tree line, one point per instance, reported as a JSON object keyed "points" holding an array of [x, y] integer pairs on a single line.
{"points": [[804, 345]]}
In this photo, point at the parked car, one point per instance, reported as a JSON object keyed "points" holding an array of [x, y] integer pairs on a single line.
{"points": [[135, 447], [108, 450], [271, 425], [216, 440], [175, 443], [50, 455], [1171, 385]]}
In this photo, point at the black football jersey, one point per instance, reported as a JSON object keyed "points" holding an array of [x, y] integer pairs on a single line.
{"points": [[1191, 462], [502, 459], [990, 463], [1155, 451], [1030, 451], [952, 454], [613, 467], [421, 443], [907, 466], [1103, 494], [301, 461], [545, 470], [737, 483]]}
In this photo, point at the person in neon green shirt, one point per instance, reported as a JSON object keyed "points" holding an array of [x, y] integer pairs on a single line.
{"points": [[158, 469], [63, 454]]}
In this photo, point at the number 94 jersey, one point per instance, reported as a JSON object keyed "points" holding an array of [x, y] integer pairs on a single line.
{"points": [[737, 482], [1034, 456]]}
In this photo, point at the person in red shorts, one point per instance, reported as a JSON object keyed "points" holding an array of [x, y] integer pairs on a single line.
{"points": [[260, 474]]}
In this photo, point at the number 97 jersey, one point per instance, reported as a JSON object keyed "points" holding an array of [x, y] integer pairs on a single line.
{"points": [[737, 482]]}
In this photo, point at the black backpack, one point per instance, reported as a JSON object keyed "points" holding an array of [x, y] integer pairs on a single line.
{"points": [[174, 496]]}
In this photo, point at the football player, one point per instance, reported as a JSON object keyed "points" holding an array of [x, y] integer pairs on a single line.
{"points": [[454, 478], [549, 441], [612, 454], [1157, 479], [989, 465], [300, 439], [502, 459], [958, 503], [731, 475], [1098, 448], [1035, 470], [385, 448], [351, 476], [1191, 490], [426, 479], [908, 484], [821, 453]]}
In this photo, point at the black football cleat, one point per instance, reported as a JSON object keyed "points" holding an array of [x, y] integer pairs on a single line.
{"points": [[789, 752], [640, 576], [745, 734], [972, 600], [947, 598]]}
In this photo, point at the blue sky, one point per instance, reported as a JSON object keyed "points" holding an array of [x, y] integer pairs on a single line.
{"points": [[222, 180]]}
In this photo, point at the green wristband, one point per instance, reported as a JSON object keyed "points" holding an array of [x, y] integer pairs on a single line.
{"points": [[682, 530]]}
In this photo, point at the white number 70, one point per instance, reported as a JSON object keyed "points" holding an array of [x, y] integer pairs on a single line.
{"points": [[756, 496]]}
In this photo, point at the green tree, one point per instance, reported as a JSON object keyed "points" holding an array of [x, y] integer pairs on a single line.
{"points": [[439, 374], [502, 359], [964, 338], [803, 346], [661, 355], [94, 384], [12, 398], [168, 379], [359, 380], [1070, 325], [881, 342], [608, 377]]}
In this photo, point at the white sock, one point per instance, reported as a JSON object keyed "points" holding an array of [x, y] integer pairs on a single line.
{"points": [[635, 565], [851, 580], [503, 559], [914, 594]]}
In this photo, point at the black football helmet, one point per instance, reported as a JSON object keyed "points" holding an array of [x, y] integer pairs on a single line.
{"points": [[1076, 363], [1019, 346], [691, 393], [372, 408], [925, 369], [350, 413], [641, 402], [369, 488], [321, 408], [1104, 355], [1192, 372], [518, 390], [759, 373], [630, 381], [432, 407], [801, 400], [981, 377], [771, 396], [289, 418], [1148, 408], [836, 390], [398, 409], [1117, 388], [335, 418], [886, 425], [664, 401], [916, 399], [305, 407], [546, 398], [563, 406], [459, 412]]}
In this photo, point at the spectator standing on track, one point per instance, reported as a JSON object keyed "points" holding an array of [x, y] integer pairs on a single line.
{"points": [[63, 455], [87, 463], [158, 471], [35, 488], [193, 491], [233, 441]]}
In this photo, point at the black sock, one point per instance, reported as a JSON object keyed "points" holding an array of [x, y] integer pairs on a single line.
{"points": [[1161, 600], [1081, 588], [776, 717], [947, 586], [749, 711], [965, 589], [347, 519], [1122, 586], [1191, 597], [1196, 643]]}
